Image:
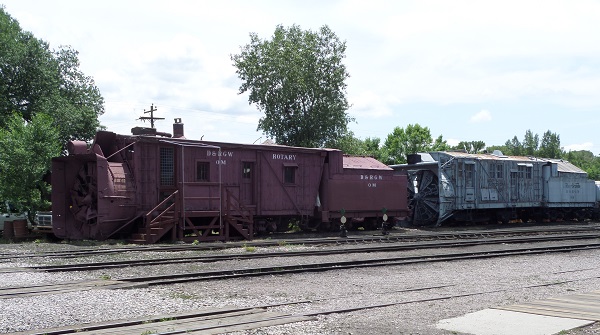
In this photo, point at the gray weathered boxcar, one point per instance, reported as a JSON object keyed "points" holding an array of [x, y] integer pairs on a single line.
{"points": [[456, 186], [150, 186]]}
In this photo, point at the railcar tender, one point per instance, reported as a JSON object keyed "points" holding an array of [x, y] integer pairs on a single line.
{"points": [[445, 187]]}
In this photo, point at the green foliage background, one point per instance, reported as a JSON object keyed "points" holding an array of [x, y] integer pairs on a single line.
{"points": [[45, 101]]}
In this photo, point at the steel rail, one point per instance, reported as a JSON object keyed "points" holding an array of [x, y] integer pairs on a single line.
{"points": [[357, 239], [384, 248], [148, 281]]}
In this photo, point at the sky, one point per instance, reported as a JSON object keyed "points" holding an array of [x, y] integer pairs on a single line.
{"points": [[467, 70]]}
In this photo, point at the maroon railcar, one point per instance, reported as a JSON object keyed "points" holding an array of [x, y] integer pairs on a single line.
{"points": [[148, 186]]}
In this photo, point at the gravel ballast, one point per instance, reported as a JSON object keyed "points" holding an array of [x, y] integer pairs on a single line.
{"points": [[411, 289]]}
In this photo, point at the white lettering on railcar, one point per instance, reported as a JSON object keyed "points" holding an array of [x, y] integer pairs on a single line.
{"points": [[216, 153], [370, 177], [372, 184], [284, 157]]}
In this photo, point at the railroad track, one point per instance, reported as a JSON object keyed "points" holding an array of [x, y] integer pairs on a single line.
{"points": [[356, 238], [324, 252], [225, 320], [12, 292]]}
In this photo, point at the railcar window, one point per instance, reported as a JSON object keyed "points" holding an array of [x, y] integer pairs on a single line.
{"points": [[202, 171], [289, 174], [247, 170], [469, 171], [499, 173], [528, 171], [521, 170], [167, 167]]}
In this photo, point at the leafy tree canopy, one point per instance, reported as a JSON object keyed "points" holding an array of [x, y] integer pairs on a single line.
{"points": [[586, 161], [531, 146], [298, 80], [354, 146], [411, 140], [26, 150], [472, 147], [45, 101], [35, 79]]}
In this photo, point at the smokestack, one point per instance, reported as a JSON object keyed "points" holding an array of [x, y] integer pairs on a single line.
{"points": [[178, 129]]}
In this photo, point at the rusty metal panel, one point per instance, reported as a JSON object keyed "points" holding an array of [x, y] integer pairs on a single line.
{"points": [[362, 162]]}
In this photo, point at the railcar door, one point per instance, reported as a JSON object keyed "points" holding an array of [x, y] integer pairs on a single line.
{"points": [[514, 185], [469, 181], [247, 184]]}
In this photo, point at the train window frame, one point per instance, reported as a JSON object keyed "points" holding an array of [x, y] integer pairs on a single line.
{"points": [[247, 168], [289, 173], [499, 171], [202, 171], [526, 171], [492, 170], [167, 166], [469, 174]]}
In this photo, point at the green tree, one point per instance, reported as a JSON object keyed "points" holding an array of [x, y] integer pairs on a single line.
{"points": [[503, 149], [585, 160], [411, 140], [550, 146], [471, 147], [513, 147], [298, 80], [530, 143], [26, 150], [45, 101], [440, 144], [35, 79], [354, 146]]}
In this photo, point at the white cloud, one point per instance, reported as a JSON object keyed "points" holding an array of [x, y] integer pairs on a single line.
{"points": [[452, 141], [370, 104], [411, 63], [483, 116], [581, 146]]}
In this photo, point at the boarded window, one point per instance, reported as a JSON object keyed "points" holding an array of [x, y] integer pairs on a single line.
{"points": [[289, 174], [167, 167], [202, 171]]}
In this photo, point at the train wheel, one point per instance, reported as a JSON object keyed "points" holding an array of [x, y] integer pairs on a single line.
{"points": [[424, 198]]}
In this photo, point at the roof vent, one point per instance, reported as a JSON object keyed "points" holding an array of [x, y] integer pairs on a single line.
{"points": [[499, 154]]}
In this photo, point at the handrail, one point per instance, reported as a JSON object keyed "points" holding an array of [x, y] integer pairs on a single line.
{"points": [[162, 203], [163, 213], [147, 216]]}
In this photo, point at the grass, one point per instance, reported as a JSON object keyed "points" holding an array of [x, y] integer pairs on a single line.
{"points": [[249, 248], [183, 296]]}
